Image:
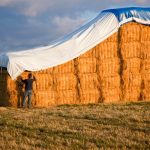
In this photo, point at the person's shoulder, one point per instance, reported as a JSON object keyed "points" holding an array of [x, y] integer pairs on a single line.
{"points": [[33, 79], [24, 80]]}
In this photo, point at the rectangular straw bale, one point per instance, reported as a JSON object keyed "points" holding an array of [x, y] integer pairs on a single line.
{"points": [[45, 98], [145, 49], [67, 97], [146, 94], [112, 38], [106, 50], [132, 65], [145, 33], [146, 79], [13, 100], [132, 94], [112, 98], [11, 85], [109, 67], [130, 32], [89, 53], [89, 96], [111, 91], [66, 81], [111, 95], [51, 97], [43, 82], [146, 66], [13, 95], [48, 71], [132, 80], [65, 68], [131, 50], [88, 81], [111, 82], [87, 65]]}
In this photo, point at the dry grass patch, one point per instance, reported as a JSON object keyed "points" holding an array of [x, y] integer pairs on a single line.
{"points": [[93, 126]]}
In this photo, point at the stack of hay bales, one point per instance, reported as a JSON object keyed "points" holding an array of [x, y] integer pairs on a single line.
{"points": [[65, 83], [86, 73], [43, 89], [118, 69], [145, 49], [108, 69], [130, 47]]}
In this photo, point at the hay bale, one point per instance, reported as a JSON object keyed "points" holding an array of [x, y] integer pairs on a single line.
{"points": [[112, 38], [130, 32], [146, 66], [106, 50], [88, 81], [46, 71], [110, 82], [145, 49], [132, 80], [146, 80], [145, 33], [67, 97], [146, 94], [64, 68], [111, 95], [10, 84], [89, 96], [131, 50], [132, 65], [66, 81], [132, 93], [109, 67], [90, 53], [44, 98], [86, 65], [44, 82]]}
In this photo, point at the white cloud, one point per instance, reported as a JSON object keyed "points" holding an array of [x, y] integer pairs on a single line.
{"points": [[142, 1], [5, 2], [49, 19], [36, 7], [66, 24], [28, 7]]}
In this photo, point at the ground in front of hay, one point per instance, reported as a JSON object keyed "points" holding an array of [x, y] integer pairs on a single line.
{"points": [[93, 126]]}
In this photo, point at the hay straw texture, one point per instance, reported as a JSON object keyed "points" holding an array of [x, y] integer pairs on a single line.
{"points": [[116, 70]]}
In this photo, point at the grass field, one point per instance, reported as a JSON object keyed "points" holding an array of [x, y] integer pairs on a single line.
{"points": [[93, 126]]}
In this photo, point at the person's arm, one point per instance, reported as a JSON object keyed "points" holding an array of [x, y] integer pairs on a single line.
{"points": [[34, 79], [22, 80]]}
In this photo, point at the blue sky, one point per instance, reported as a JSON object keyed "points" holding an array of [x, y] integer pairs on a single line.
{"points": [[30, 23]]}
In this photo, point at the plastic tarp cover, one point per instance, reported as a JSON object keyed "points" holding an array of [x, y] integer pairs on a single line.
{"points": [[74, 44]]}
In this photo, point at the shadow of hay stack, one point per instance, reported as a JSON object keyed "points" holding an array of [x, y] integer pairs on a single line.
{"points": [[19, 89], [4, 93], [116, 70]]}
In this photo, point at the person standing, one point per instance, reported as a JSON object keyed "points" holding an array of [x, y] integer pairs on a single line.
{"points": [[28, 89]]}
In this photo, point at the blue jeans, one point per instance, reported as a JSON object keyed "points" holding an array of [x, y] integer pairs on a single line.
{"points": [[29, 94]]}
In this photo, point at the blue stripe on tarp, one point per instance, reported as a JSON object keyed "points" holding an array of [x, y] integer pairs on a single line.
{"points": [[130, 12]]}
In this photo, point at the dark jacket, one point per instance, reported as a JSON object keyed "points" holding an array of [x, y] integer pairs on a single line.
{"points": [[28, 83]]}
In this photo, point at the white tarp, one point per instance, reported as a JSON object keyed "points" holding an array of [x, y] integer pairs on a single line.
{"points": [[72, 45]]}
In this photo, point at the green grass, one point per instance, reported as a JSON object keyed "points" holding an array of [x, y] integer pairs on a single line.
{"points": [[93, 126]]}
